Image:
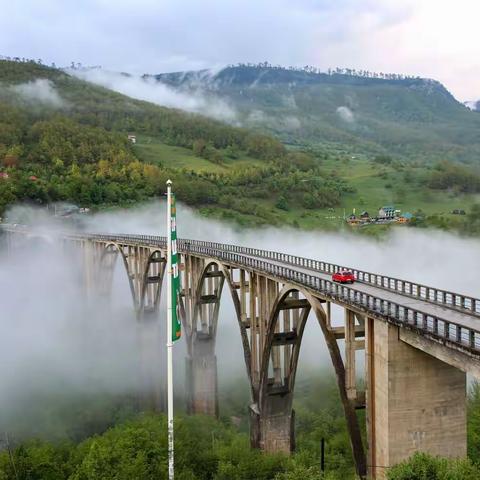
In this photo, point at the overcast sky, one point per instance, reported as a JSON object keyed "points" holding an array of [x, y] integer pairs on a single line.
{"points": [[431, 38]]}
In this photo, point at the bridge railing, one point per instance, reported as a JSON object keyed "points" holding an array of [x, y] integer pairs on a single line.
{"points": [[460, 302]]}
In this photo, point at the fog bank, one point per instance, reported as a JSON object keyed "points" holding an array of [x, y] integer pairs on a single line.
{"points": [[149, 89], [54, 342]]}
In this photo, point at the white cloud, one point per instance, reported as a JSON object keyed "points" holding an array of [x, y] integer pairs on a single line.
{"points": [[41, 91], [426, 37], [152, 91], [345, 114]]}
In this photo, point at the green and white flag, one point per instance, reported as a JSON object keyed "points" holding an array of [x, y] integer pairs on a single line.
{"points": [[176, 325]]}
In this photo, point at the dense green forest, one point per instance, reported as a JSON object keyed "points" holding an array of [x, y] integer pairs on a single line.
{"points": [[112, 442]]}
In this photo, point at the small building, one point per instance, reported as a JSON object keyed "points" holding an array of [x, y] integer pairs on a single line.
{"points": [[4, 175], [364, 216], [458, 211], [386, 213], [353, 220], [132, 138], [33, 178], [405, 218]]}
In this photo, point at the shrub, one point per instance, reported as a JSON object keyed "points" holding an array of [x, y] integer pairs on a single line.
{"points": [[422, 466]]}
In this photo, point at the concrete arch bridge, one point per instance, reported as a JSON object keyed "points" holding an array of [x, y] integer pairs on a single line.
{"points": [[418, 341]]}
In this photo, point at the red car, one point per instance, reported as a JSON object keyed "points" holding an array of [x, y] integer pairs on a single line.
{"points": [[343, 276]]}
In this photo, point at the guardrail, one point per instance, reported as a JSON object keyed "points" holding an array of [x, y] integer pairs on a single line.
{"points": [[444, 330], [456, 301]]}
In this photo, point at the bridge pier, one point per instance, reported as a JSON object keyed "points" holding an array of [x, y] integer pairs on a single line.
{"points": [[272, 429], [415, 402], [201, 378]]}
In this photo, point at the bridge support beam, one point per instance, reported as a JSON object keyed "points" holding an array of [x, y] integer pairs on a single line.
{"points": [[201, 378], [414, 402]]}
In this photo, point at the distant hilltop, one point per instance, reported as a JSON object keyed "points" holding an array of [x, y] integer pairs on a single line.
{"points": [[264, 73], [359, 111]]}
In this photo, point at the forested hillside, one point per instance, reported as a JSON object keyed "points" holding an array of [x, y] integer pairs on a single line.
{"points": [[65, 139], [362, 112]]}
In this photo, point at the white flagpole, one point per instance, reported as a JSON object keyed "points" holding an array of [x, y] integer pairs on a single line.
{"points": [[169, 335]]}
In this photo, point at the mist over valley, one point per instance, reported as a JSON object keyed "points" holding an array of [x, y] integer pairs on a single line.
{"points": [[239, 240]]}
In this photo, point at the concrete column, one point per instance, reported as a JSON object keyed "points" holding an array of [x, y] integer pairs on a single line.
{"points": [[277, 432], [415, 403], [201, 377], [272, 428]]}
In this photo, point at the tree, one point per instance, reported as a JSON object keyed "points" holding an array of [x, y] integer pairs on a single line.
{"points": [[199, 146], [282, 203]]}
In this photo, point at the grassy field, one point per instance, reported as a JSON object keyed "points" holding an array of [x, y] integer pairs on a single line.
{"points": [[152, 150], [378, 185], [375, 185]]}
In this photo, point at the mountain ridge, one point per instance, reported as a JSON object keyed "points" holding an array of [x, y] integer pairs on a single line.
{"points": [[411, 117]]}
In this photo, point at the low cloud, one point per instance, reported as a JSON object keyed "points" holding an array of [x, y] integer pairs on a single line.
{"points": [[41, 91], [260, 118], [149, 89], [55, 342], [345, 114], [292, 123]]}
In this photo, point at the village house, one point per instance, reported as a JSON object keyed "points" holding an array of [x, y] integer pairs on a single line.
{"points": [[132, 138], [386, 213], [405, 217], [353, 220]]}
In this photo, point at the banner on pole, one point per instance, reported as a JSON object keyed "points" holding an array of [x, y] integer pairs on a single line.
{"points": [[176, 325]]}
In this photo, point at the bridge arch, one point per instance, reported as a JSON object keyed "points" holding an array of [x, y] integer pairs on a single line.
{"points": [[106, 267], [276, 428], [201, 328], [271, 413], [145, 273], [151, 283]]}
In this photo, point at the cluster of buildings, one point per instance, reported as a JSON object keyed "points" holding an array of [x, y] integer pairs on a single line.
{"points": [[386, 214]]}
